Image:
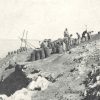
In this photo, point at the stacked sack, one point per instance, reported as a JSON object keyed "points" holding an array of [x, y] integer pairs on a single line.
{"points": [[59, 46], [43, 52], [47, 48]]}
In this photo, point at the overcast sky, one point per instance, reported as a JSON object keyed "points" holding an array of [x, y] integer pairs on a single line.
{"points": [[47, 18]]}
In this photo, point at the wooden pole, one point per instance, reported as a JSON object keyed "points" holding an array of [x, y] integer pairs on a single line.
{"points": [[28, 44], [22, 38], [26, 40]]}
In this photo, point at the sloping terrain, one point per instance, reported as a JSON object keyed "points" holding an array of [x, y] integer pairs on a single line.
{"points": [[71, 76]]}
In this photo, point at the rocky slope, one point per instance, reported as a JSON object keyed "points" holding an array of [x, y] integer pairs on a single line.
{"points": [[71, 76]]}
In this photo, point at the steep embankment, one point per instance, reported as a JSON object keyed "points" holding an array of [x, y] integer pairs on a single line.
{"points": [[69, 71], [67, 76]]}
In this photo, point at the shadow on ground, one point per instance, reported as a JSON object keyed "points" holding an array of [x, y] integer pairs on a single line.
{"points": [[17, 80]]}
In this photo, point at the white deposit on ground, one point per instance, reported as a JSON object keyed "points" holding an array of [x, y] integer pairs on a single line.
{"points": [[23, 94], [3, 97], [41, 83]]}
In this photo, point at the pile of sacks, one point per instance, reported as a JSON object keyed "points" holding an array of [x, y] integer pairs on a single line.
{"points": [[57, 46], [40, 53], [46, 49]]}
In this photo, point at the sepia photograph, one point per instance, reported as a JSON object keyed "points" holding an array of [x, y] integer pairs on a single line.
{"points": [[49, 49]]}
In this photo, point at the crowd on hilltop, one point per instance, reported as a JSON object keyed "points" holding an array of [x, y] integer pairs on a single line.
{"points": [[61, 45], [67, 42]]}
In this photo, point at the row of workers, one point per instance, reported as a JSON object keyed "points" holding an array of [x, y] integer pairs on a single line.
{"points": [[48, 47], [17, 51]]}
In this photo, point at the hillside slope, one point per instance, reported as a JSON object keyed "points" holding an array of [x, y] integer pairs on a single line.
{"points": [[68, 74]]}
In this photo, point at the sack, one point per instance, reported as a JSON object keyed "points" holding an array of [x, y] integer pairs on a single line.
{"points": [[47, 52], [54, 50], [33, 56], [59, 49], [42, 54], [37, 54]]}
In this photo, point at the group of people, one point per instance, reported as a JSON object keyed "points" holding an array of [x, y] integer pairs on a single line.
{"points": [[18, 51], [60, 45], [68, 41], [65, 44]]}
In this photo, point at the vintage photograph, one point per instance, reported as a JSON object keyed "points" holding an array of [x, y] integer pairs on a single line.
{"points": [[49, 49]]}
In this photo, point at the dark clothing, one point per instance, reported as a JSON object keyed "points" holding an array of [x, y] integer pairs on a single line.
{"points": [[88, 35], [78, 36], [66, 34], [83, 34]]}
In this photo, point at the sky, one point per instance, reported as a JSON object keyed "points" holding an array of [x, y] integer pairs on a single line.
{"points": [[47, 18]]}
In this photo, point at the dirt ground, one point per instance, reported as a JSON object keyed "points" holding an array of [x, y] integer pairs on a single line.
{"points": [[68, 73]]}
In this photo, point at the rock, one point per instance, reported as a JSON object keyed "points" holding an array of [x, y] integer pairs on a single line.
{"points": [[3, 97], [32, 85], [23, 94], [41, 83], [32, 76], [98, 78], [50, 77]]}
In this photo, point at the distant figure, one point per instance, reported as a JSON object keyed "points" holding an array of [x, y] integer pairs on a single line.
{"points": [[66, 40], [64, 47], [89, 35], [98, 32], [78, 38], [71, 39], [9, 53], [74, 41], [66, 44], [66, 34], [44, 44], [12, 53], [49, 43], [84, 35], [40, 43]]}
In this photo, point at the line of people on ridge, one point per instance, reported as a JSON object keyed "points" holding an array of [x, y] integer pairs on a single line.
{"points": [[65, 44], [48, 46], [18, 51]]}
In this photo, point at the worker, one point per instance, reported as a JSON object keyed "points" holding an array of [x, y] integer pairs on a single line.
{"points": [[67, 39], [49, 43], [78, 38], [89, 35], [84, 35], [44, 44], [66, 43], [66, 34], [70, 38], [64, 46]]}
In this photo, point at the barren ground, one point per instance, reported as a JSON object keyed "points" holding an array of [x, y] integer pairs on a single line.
{"points": [[67, 73]]}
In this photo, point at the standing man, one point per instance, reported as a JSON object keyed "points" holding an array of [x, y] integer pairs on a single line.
{"points": [[78, 38], [89, 35], [66, 34], [83, 35], [66, 39], [71, 39]]}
